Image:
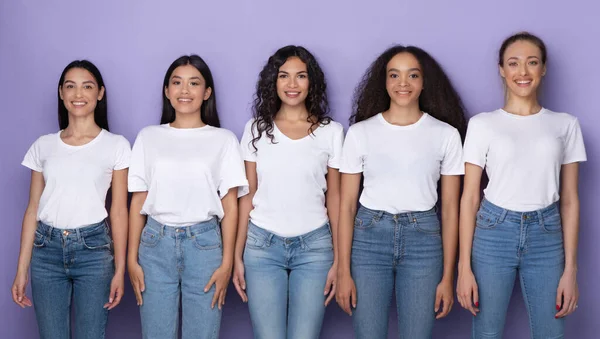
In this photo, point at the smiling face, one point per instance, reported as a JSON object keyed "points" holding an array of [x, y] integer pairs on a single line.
{"points": [[80, 92], [404, 79], [522, 68], [187, 90], [293, 82]]}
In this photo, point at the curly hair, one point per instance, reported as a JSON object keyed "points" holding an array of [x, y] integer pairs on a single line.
{"points": [[267, 103], [438, 98]]}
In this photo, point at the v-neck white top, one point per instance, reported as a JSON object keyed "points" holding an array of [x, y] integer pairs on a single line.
{"points": [[290, 198]]}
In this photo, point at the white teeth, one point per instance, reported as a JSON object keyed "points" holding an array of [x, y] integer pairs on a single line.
{"points": [[185, 100], [523, 81], [78, 103], [293, 93], [403, 92]]}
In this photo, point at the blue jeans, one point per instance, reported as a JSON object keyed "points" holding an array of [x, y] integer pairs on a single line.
{"points": [[178, 262], [401, 252], [71, 263], [530, 243], [285, 280]]}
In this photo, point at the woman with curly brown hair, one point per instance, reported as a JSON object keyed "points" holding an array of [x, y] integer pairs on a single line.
{"points": [[405, 137], [285, 266]]}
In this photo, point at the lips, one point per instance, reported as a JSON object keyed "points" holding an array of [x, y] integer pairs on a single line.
{"points": [[184, 100], [523, 83], [292, 94], [78, 103]]}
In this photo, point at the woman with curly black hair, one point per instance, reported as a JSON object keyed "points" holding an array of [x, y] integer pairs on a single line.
{"points": [[406, 135], [285, 266]]}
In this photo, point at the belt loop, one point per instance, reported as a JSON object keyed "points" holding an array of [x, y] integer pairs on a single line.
{"points": [[48, 229], [188, 231], [269, 239], [502, 215], [379, 215], [540, 216], [78, 232]]}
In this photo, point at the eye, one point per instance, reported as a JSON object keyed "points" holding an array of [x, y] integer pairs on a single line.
{"points": [[393, 75], [175, 82], [512, 64], [69, 86], [194, 83], [282, 76], [88, 86], [413, 76], [533, 63], [302, 76]]}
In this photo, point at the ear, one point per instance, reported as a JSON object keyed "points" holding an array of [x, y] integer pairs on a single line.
{"points": [[544, 70], [207, 93], [167, 92], [101, 93], [501, 70], [60, 94]]}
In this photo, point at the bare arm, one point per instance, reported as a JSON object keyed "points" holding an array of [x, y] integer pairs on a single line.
{"points": [[27, 237], [332, 202], [467, 287], [568, 291], [136, 225], [244, 209], [450, 205]]}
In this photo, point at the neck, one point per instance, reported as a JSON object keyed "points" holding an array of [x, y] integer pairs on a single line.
{"points": [[82, 126], [403, 115], [187, 121], [292, 113], [522, 105]]}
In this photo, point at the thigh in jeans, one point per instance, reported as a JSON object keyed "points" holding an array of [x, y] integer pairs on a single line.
{"points": [[494, 264], [160, 307], [309, 267], [51, 288], [418, 273], [266, 284], [92, 276], [373, 274]]}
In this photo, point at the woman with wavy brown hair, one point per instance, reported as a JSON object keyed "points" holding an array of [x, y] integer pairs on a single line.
{"points": [[285, 266]]}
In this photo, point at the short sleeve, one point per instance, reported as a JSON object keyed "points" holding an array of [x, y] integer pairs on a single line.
{"points": [[453, 164], [352, 157], [337, 141], [136, 180], [32, 159], [232, 172], [574, 147], [248, 151], [123, 154], [477, 143]]}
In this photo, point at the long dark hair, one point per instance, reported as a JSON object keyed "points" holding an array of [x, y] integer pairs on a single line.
{"points": [[267, 103], [522, 36], [101, 110], [438, 97], [208, 109]]}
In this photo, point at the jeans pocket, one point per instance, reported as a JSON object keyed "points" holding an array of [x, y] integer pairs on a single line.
{"points": [[485, 219], [429, 224], [97, 241], [323, 243], [208, 240], [150, 237], [364, 221], [39, 240], [552, 223], [255, 241]]}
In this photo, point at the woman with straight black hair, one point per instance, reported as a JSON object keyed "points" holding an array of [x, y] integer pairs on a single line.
{"points": [[528, 219], [185, 175], [285, 266], [66, 239], [405, 137]]}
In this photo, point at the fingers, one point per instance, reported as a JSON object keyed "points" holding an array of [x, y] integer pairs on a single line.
{"points": [[438, 301], [354, 301], [137, 290], [447, 303], [222, 298], [111, 297], [240, 287], [215, 298], [569, 303], [559, 300], [210, 283], [331, 294], [114, 299], [19, 297]]}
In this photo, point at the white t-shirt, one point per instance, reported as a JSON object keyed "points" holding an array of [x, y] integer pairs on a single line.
{"points": [[186, 172], [401, 165], [77, 177], [290, 198], [522, 155]]}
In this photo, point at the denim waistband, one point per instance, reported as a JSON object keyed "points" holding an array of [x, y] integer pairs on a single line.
{"points": [[50, 231], [319, 232], [532, 216], [190, 231], [408, 215]]}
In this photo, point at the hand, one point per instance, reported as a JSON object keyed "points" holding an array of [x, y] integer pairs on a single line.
{"points": [[346, 292], [136, 275], [18, 290], [467, 291], [117, 288], [445, 297], [220, 279], [567, 294], [238, 279], [330, 284]]}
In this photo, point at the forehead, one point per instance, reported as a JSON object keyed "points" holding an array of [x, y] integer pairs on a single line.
{"points": [[293, 64], [79, 75], [402, 61], [522, 49], [187, 71]]}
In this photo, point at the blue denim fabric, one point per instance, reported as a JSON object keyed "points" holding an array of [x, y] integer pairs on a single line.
{"points": [[401, 252], [71, 263], [530, 243], [285, 280], [178, 262]]}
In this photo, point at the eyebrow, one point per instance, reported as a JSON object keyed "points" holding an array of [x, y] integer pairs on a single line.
{"points": [[85, 82], [296, 73], [529, 57], [411, 69], [178, 77]]}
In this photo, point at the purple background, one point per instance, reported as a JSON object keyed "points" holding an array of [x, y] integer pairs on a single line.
{"points": [[133, 43]]}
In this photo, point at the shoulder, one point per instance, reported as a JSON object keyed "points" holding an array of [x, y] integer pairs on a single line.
{"points": [[560, 117], [222, 134], [333, 127], [116, 139]]}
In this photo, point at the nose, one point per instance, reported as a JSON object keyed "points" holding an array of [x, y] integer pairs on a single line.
{"points": [[293, 82], [523, 69], [184, 88]]}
